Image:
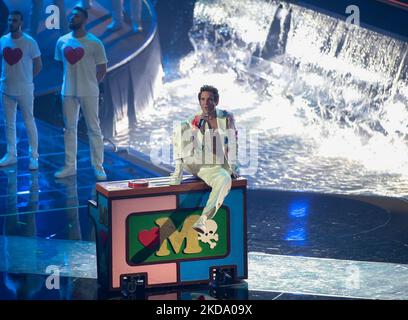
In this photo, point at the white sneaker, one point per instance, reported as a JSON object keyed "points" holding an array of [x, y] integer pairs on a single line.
{"points": [[199, 226], [8, 160], [65, 172], [33, 164], [100, 173]]}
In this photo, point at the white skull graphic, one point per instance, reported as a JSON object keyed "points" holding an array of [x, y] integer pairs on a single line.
{"points": [[210, 236]]}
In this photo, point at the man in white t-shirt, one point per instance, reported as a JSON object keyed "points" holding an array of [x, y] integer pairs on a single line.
{"points": [[21, 62], [85, 63]]}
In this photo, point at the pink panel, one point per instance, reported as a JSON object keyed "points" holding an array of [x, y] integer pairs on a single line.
{"points": [[157, 274]]}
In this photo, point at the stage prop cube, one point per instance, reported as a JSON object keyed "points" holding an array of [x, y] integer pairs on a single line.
{"points": [[145, 233]]}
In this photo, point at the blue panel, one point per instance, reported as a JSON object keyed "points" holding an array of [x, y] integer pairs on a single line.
{"points": [[193, 199], [199, 270]]}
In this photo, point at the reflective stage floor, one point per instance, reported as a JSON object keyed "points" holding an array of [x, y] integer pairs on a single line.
{"points": [[301, 245]]}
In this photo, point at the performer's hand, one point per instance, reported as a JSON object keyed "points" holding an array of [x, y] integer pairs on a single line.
{"points": [[235, 175]]}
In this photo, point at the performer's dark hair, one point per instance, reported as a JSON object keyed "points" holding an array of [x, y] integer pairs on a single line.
{"points": [[83, 10], [16, 13], [212, 89]]}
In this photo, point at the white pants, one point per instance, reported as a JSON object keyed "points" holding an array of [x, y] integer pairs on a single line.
{"points": [[26, 104], [70, 110], [132, 7], [220, 181]]}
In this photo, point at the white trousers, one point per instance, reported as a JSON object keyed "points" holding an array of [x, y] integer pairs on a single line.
{"points": [[220, 181], [70, 110], [26, 104]]}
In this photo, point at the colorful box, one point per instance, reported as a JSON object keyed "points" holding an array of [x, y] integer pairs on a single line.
{"points": [[147, 232]]}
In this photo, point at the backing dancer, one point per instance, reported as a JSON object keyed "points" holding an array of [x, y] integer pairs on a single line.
{"points": [[20, 64]]}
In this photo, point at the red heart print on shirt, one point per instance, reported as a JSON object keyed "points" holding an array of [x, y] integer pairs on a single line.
{"points": [[73, 55], [12, 56]]}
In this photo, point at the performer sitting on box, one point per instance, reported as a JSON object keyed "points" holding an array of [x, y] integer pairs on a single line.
{"points": [[206, 146]]}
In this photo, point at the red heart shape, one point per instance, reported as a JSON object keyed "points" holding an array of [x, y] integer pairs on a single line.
{"points": [[150, 238], [73, 55], [12, 56]]}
